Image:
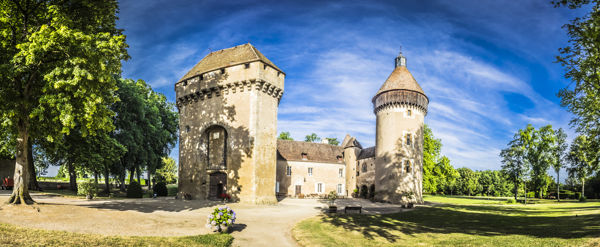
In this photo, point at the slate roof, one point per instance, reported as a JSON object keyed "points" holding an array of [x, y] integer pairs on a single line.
{"points": [[316, 152], [400, 79], [367, 153], [228, 57]]}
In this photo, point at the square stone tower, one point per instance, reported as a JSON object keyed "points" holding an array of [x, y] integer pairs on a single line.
{"points": [[228, 126]]}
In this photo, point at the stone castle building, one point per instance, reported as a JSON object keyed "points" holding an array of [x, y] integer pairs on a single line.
{"points": [[228, 106]]}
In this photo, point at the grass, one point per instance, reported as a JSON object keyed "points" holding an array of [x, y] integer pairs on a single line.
{"points": [[461, 221], [17, 236]]}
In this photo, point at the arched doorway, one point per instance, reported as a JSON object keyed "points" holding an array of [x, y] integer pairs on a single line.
{"points": [[218, 185]]}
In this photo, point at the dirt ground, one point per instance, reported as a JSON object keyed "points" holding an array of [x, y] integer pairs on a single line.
{"points": [[256, 225]]}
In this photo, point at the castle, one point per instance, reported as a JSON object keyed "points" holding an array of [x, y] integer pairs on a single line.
{"points": [[228, 106]]}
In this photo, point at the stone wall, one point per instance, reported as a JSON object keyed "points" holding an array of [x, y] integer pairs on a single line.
{"points": [[328, 174], [244, 102]]}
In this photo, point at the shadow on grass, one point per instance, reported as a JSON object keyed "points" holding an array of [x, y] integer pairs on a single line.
{"points": [[480, 220]]}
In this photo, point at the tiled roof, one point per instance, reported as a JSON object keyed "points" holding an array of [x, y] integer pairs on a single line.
{"points": [[228, 57], [315, 152], [367, 153], [400, 79]]}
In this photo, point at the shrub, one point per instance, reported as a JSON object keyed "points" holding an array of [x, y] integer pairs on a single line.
{"points": [[577, 195], [87, 189], [511, 201], [134, 190], [331, 197], [220, 218], [160, 189], [582, 199], [530, 194]]}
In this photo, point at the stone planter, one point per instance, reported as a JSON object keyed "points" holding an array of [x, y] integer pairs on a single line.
{"points": [[226, 229], [332, 209]]}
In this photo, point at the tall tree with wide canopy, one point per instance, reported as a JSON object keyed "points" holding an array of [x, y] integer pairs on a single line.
{"points": [[558, 152], [58, 60], [581, 60], [583, 157], [514, 165]]}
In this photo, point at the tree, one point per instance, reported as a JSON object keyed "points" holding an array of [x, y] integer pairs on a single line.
{"points": [[467, 181], [312, 138], [431, 156], [558, 152], [57, 65], [583, 157], [581, 60], [285, 136], [168, 172], [333, 141], [514, 165]]}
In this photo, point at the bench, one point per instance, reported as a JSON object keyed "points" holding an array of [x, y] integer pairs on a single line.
{"points": [[359, 208]]}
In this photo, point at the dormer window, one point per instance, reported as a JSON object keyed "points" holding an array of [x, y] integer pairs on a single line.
{"points": [[246, 66], [223, 71], [304, 156], [184, 83]]}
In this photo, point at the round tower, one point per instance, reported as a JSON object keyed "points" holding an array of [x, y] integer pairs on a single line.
{"points": [[400, 106]]}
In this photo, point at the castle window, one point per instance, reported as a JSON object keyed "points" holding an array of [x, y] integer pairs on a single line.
{"points": [[184, 83], [341, 172], [319, 188], [357, 173], [407, 166], [217, 148], [310, 170], [278, 73], [364, 167], [339, 158], [246, 66], [408, 140], [339, 189], [265, 66], [187, 128], [409, 113], [276, 187], [304, 156], [222, 71], [288, 171]]}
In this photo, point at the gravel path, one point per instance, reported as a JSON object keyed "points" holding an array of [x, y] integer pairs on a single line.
{"points": [[256, 225]]}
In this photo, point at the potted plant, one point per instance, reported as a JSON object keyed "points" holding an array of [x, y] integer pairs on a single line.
{"points": [[225, 197], [355, 193], [87, 189], [221, 219], [411, 197], [332, 196]]}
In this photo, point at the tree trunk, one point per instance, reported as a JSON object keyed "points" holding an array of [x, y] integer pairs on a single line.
{"points": [[20, 194], [149, 181], [139, 177], [96, 178], [525, 189], [516, 191], [33, 183], [131, 175], [106, 180], [558, 185], [582, 187], [72, 177]]}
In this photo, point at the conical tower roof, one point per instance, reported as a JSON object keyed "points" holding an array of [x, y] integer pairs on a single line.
{"points": [[400, 88], [400, 79]]}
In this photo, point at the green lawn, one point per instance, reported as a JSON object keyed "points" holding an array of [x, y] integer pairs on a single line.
{"points": [[461, 221], [17, 236]]}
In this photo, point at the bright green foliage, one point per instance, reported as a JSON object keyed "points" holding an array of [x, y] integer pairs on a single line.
{"points": [[87, 188], [134, 190], [581, 60], [168, 171], [558, 153], [468, 181], [146, 125], [312, 138], [583, 159], [431, 156], [58, 61], [333, 141], [285, 136]]}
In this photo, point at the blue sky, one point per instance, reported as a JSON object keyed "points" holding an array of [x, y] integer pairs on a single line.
{"points": [[487, 66]]}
